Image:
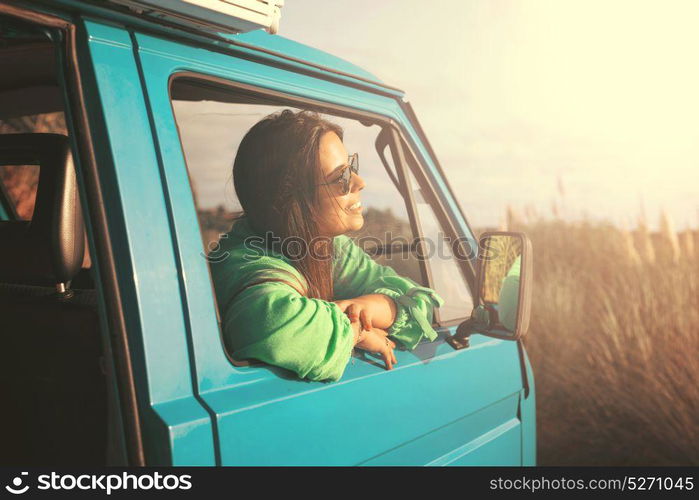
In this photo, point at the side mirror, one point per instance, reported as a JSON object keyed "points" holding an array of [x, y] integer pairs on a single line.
{"points": [[503, 289]]}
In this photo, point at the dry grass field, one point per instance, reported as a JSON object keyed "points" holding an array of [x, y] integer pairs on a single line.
{"points": [[614, 343]]}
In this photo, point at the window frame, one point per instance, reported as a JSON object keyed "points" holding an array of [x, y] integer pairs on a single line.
{"points": [[400, 155]]}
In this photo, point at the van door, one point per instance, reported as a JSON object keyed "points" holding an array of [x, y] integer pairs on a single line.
{"points": [[439, 406], [176, 428]]}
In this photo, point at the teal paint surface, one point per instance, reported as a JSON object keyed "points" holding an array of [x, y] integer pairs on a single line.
{"points": [[262, 39], [528, 416], [144, 253]]}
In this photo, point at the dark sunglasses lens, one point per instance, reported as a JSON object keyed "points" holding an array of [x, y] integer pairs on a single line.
{"points": [[346, 175]]}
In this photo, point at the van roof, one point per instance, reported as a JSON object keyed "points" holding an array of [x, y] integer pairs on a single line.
{"points": [[265, 44], [288, 47]]}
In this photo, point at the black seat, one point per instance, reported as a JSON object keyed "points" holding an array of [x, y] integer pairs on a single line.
{"points": [[52, 384]]}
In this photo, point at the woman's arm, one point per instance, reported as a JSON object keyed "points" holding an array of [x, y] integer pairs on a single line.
{"points": [[272, 322], [356, 275], [372, 310]]}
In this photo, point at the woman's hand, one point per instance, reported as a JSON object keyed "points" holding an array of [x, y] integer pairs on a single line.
{"points": [[374, 310], [357, 310], [362, 312], [376, 340]]}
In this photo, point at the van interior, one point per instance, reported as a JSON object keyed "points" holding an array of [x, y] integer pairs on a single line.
{"points": [[56, 400]]}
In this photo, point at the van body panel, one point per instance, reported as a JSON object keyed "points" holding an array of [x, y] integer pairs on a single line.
{"points": [[179, 432], [528, 416], [481, 440]]}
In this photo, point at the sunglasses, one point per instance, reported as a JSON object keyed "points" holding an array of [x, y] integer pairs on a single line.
{"points": [[344, 179]]}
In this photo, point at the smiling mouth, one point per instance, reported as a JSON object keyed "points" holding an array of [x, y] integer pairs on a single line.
{"points": [[355, 207]]}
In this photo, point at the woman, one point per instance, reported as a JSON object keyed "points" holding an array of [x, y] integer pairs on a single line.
{"points": [[293, 290]]}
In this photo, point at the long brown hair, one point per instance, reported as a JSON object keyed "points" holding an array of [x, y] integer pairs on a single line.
{"points": [[276, 175]]}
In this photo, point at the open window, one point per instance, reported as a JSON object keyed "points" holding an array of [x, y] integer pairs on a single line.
{"points": [[212, 122], [213, 117]]}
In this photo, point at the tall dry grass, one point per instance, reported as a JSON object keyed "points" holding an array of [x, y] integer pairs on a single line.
{"points": [[614, 343], [497, 269]]}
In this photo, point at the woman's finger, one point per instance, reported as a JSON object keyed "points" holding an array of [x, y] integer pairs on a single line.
{"points": [[352, 312], [365, 319], [387, 358]]}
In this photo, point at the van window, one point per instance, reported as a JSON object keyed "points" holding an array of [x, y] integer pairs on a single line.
{"points": [[19, 182], [447, 278], [211, 131]]}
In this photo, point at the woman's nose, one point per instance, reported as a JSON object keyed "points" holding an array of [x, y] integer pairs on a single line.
{"points": [[357, 183]]}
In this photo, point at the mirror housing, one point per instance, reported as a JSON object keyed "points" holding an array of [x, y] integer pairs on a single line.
{"points": [[503, 289]]}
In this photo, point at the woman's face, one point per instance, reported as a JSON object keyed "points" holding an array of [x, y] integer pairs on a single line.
{"points": [[335, 213]]}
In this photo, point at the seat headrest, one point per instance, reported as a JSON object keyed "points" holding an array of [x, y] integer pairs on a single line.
{"points": [[50, 248]]}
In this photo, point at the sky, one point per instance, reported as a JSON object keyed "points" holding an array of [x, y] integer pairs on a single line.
{"points": [[586, 108]]}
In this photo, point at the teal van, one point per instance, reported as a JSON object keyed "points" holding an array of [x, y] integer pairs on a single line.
{"points": [[119, 122]]}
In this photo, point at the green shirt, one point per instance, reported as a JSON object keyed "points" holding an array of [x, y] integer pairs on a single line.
{"points": [[265, 317]]}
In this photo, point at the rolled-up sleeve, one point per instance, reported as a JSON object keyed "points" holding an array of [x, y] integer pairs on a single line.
{"points": [[274, 323], [355, 274]]}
